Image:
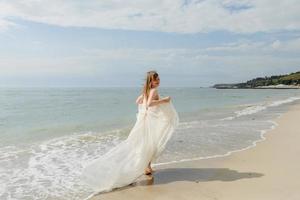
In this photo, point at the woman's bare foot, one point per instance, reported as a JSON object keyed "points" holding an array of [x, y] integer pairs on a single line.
{"points": [[148, 171]]}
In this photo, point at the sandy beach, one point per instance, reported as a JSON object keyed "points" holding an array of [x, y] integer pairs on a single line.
{"points": [[267, 170]]}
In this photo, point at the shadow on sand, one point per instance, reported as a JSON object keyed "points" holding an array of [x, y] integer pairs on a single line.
{"points": [[168, 175], [163, 176]]}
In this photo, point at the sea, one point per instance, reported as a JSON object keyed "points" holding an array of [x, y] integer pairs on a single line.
{"points": [[48, 134]]}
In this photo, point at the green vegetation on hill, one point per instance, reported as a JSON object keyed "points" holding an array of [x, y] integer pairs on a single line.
{"points": [[289, 79]]}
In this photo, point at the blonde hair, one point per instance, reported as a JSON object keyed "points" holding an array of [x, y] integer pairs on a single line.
{"points": [[151, 76]]}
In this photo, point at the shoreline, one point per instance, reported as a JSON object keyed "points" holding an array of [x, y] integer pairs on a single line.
{"points": [[221, 178], [262, 138], [253, 145]]}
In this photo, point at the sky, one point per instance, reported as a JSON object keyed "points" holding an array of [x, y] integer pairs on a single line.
{"points": [[190, 43]]}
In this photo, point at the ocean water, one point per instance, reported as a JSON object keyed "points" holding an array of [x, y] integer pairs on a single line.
{"points": [[48, 134]]}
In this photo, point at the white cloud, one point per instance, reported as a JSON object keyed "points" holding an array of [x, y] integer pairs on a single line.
{"points": [[237, 60], [291, 46], [5, 24], [276, 44], [242, 16], [33, 65]]}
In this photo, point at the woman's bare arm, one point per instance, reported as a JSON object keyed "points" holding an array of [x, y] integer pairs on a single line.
{"points": [[152, 102], [139, 99]]}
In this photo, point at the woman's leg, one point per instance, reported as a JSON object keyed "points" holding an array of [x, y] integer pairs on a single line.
{"points": [[149, 166], [149, 169]]}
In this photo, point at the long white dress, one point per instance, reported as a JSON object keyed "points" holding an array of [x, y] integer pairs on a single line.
{"points": [[127, 161]]}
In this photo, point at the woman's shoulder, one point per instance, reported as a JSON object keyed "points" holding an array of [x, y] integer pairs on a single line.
{"points": [[154, 90]]}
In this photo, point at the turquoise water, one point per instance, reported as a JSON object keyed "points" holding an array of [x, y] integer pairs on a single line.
{"points": [[47, 134], [33, 114]]}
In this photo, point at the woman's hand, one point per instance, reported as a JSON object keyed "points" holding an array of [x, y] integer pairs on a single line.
{"points": [[167, 99]]}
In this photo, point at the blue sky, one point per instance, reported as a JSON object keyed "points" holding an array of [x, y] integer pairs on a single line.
{"points": [[113, 43]]}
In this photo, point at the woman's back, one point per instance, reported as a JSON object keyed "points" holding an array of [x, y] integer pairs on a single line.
{"points": [[154, 97]]}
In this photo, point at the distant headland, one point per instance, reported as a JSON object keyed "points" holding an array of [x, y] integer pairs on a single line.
{"points": [[287, 81]]}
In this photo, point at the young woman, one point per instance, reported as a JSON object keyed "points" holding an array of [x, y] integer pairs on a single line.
{"points": [[151, 97], [124, 163]]}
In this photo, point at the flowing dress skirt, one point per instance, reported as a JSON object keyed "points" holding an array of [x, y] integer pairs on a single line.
{"points": [[127, 161]]}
